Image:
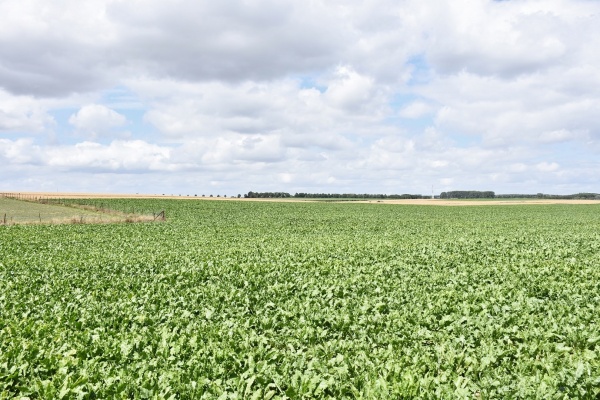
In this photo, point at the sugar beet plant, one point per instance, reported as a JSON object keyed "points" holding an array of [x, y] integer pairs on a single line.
{"points": [[239, 300]]}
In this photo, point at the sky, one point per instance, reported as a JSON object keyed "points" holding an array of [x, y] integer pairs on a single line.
{"points": [[336, 96]]}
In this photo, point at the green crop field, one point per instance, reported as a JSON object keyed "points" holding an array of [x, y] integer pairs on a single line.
{"points": [[239, 299]]}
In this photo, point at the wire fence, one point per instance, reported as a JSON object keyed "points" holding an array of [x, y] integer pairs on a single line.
{"points": [[114, 210]]}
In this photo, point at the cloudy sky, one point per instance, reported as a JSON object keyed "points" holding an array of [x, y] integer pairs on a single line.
{"points": [[224, 97]]}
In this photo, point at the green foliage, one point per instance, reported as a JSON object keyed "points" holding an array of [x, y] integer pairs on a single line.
{"points": [[467, 194], [238, 299]]}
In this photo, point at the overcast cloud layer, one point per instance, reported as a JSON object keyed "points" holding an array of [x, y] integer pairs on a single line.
{"points": [[373, 96]]}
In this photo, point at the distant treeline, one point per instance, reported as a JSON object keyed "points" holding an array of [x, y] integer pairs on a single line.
{"points": [[266, 195], [576, 196], [455, 194], [474, 194], [467, 194], [254, 195]]}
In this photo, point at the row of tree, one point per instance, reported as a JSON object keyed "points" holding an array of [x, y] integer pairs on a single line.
{"points": [[357, 196], [576, 196], [455, 194], [474, 194], [467, 194], [266, 195], [255, 195]]}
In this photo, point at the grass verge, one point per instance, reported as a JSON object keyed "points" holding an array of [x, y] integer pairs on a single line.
{"points": [[18, 212]]}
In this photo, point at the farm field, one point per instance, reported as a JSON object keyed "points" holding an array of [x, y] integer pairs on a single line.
{"points": [[236, 299]]}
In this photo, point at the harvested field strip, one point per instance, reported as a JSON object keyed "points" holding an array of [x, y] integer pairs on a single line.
{"points": [[25, 212], [31, 212]]}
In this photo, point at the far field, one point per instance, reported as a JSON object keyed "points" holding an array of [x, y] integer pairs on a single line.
{"points": [[30, 212], [25, 212], [428, 202], [251, 299]]}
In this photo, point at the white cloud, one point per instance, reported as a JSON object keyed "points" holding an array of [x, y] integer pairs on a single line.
{"points": [[561, 135], [58, 48], [22, 114], [135, 155], [96, 120], [233, 41], [502, 38], [517, 167], [547, 167], [21, 151], [301, 117], [234, 149], [416, 109], [349, 90], [522, 110]]}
